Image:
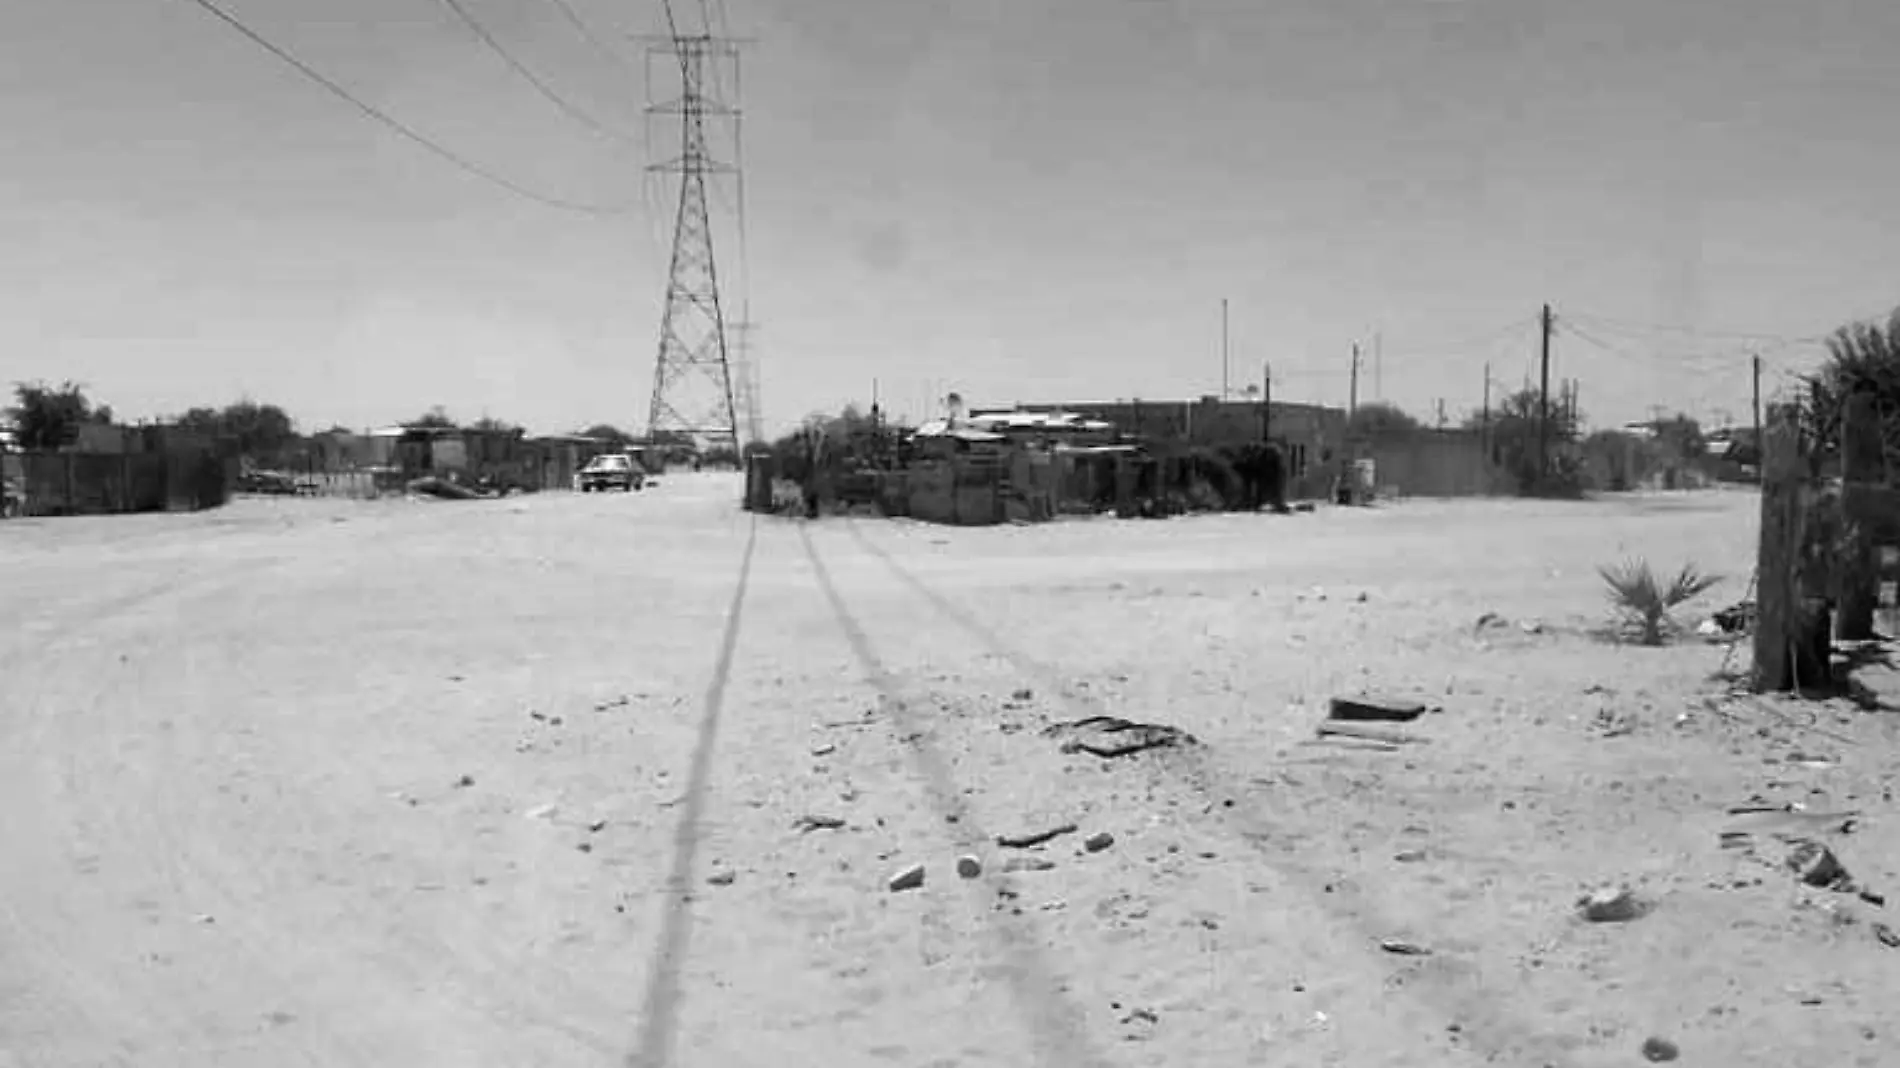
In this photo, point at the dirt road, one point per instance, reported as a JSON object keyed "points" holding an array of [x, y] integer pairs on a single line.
{"points": [[522, 782]]}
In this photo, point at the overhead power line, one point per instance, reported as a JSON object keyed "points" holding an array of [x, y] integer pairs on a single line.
{"points": [[589, 35], [547, 91], [403, 130]]}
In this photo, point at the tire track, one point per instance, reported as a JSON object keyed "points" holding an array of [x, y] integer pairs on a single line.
{"points": [[1056, 1025], [659, 1014], [1454, 990]]}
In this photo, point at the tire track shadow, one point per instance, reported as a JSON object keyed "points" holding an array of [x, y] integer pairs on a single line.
{"points": [[1056, 1025], [1454, 989], [659, 1014]]}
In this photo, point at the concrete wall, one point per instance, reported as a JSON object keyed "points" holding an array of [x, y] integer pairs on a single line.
{"points": [[1435, 463]]}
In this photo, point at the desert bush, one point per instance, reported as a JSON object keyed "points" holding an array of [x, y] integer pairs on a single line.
{"points": [[1645, 603]]}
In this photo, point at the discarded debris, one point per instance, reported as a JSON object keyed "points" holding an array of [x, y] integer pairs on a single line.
{"points": [[1409, 856], [1020, 864], [1375, 707], [1817, 866], [1404, 948], [722, 878], [908, 879], [1034, 838], [1098, 841], [1109, 737], [596, 826], [823, 750], [1024, 694], [541, 812], [1887, 935], [808, 824], [465, 782], [1609, 904], [1370, 734], [969, 866]]}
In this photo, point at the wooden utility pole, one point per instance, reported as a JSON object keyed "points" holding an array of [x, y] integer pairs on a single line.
{"points": [[1755, 366], [1352, 394], [1266, 401], [1484, 414], [1441, 413], [1543, 397], [1223, 350]]}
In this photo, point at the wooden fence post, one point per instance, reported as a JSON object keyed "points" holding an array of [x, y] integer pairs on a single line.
{"points": [[1777, 565], [1856, 570]]}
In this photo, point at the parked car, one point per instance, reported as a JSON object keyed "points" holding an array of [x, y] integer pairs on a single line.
{"points": [[613, 470]]}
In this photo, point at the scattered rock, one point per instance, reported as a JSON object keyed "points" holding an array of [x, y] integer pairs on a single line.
{"points": [[1034, 838], [823, 750], [969, 866], [1024, 694], [1021, 864], [1609, 904], [910, 878], [596, 826], [542, 812], [1098, 841], [1409, 856], [1531, 626], [1888, 937], [722, 878], [808, 824], [1404, 948], [1375, 707], [1659, 1049], [465, 782]]}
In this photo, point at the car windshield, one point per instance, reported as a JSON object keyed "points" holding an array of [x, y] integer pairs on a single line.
{"points": [[615, 463]]}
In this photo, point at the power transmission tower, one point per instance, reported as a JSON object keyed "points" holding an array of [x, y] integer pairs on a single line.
{"points": [[693, 388], [746, 388]]}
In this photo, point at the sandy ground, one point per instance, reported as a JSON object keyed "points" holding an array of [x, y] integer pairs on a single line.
{"points": [[517, 783]]}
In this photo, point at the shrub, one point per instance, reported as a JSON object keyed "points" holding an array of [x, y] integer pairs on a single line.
{"points": [[1645, 602]]}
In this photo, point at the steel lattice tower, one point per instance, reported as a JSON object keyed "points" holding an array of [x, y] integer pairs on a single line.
{"points": [[693, 388]]}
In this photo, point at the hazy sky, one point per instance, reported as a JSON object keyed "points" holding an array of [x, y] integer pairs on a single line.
{"points": [[1038, 200]]}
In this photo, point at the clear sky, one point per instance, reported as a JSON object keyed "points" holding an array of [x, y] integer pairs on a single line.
{"points": [[1038, 200]]}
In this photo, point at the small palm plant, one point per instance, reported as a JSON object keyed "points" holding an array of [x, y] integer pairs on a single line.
{"points": [[1646, 602]]}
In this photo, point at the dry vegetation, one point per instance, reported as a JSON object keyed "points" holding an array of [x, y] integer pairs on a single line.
{"points": [[331, 783]]}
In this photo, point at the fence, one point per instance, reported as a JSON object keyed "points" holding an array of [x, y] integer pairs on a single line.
{"points": [[1823, 546], [76, 483]]}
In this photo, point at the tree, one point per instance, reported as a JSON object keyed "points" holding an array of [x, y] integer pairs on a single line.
{"points": [[608, 433], [490, 425], [436, 418], [1515, 429], [49, 417], [1862, 356], [1381, 419], [260, 431]]}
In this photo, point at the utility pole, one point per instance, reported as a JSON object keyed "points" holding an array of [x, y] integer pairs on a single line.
{"points": [[1484, 413], [1266, 401], [1223, 350], [1543, 397], [1755, 366], [693, 394], [1352, 395], [1441, 413]]}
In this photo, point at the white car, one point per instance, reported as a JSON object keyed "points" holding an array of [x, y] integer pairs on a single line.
{"points": [[613, 470]]}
